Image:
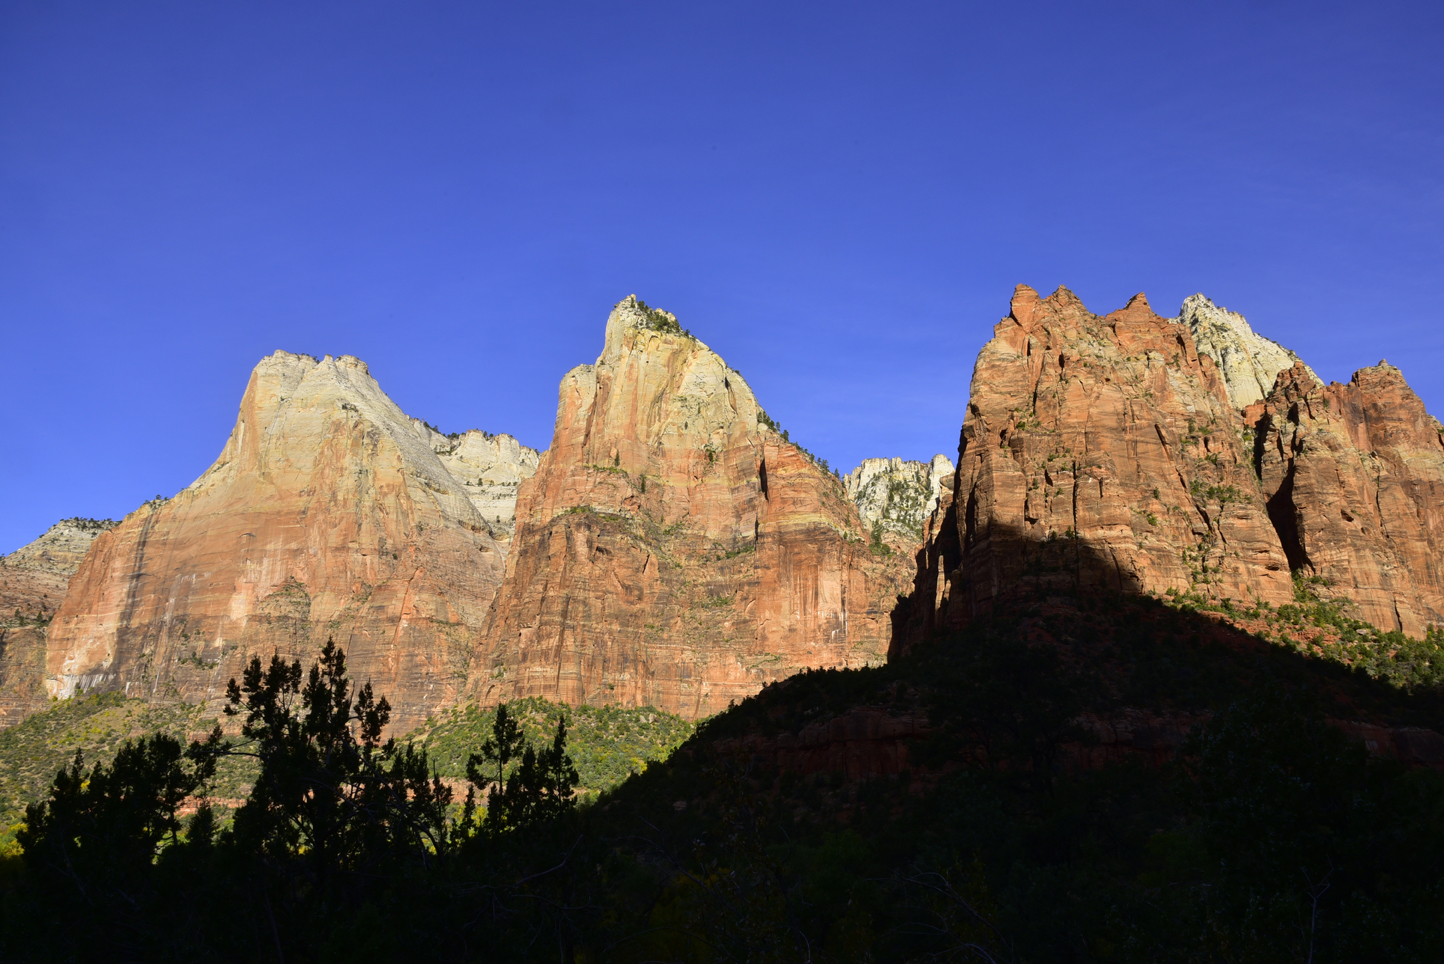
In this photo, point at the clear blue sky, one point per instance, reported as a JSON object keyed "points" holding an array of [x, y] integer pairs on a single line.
{"points": [[837, 197]]}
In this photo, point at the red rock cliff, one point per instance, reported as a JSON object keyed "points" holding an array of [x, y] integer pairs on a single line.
{"points": [[671, 549], [328, 514], [1097, 451], [1355, 479]]}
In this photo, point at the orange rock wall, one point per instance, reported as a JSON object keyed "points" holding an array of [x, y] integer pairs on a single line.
{"points": [[1355, 479], [671, 550], [1102, 451], [326, 515]]}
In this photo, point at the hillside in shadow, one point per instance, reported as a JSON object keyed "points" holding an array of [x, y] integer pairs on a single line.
{"points": [[1074, 773]]}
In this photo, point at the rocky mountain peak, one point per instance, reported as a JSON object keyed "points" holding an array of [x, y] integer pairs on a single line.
{"points": [[1248, 362], [898, 495], [329, 514], [674, 548], [489, 467], [633, 317]]}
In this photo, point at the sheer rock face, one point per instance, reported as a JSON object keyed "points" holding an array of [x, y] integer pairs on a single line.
{"points": [[33, 581], [1097, 451], [490, 468], [1248, 362], [328, 514], [1355, 479], [898, 496], [670, 550]]}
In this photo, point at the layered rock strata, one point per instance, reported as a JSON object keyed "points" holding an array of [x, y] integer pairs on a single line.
{"points": [[1097, 451], [490, 468], [897, 496], [671, 549], [33, 582], [1354, 476], [328, 514]]}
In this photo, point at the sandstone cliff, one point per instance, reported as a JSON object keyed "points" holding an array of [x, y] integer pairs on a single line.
{"points": [[894, 495], [672, 549], [328, 514], [1354, 475], [33, 580], [1097, 451]]}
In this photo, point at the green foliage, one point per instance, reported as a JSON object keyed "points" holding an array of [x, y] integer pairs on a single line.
{"points": [[1401, 660], [607, 743], [661, 321], [1003, 829], [539, 788], [90, 525], [98, 725], [328, 790], [1215, 493], [104, 828]]}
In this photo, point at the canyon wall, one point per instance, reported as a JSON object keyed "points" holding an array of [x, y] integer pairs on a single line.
{"points": [[328, 514], [490, 468], [672, 549], [1097, 451]]}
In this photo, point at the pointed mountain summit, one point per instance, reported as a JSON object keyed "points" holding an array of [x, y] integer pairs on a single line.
{"points": [[674, 548], [1248, 362], [329, 513]]}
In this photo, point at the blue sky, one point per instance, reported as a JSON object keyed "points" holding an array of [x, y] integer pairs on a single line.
{"points": [[837, 197]]}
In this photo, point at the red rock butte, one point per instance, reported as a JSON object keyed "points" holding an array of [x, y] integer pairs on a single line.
{"points": [[1107, 451]]}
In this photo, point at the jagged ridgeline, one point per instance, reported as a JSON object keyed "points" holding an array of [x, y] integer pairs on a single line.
{"points": [[1162, 674], [1140, 454]]}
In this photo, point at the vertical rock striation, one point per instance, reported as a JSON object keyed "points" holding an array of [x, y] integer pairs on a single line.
{"points": [[328, 514], [671, 549], [1097, 452], [1354, 475]]}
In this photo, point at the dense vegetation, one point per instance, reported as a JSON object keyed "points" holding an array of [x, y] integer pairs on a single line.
{"points": [[1265, 834], [607, 743], [34, 749]]}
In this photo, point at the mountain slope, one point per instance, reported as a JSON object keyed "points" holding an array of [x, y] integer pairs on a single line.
{"points": [[328, 514], [672, 549]]}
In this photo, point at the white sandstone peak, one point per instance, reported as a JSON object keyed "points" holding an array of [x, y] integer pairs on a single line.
{"points": [[898, 494], [1248, 361]]}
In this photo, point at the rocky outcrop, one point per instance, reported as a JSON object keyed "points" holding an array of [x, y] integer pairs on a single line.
{"points": [[1354, 475], [33, 581], [328, 514], [490, 468], [1248, 362], [1097, 451], [894, 495], [672, 549]]}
